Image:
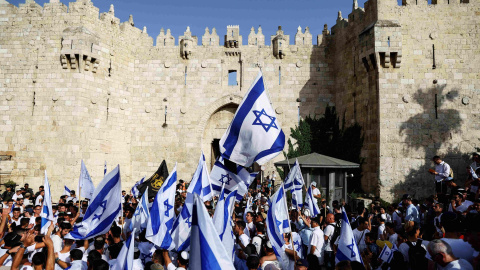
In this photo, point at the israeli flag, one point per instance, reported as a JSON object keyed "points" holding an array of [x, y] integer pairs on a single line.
{"points": [[222, 220], [125, 257], [66, 191], [278, 224], [200, 184], [105, 168], [85, 183], [141, 215], [206, 253], [255, 134], [103, 209], [134, 189], [47, 213], [294, 182], [162, 214], [310, 203], [472, 172], [386, 255], [347, 246], [239, 180]]}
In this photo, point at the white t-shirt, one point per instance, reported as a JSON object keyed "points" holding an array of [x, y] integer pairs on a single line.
{"points": [[360, 238], [381, 229], [461, 208], [244, 239], [315, 192], [57, 243], [458, 264], [393, 239], [461, 249], [317, 240], [328, 231], [64, 257], [39, 200]]}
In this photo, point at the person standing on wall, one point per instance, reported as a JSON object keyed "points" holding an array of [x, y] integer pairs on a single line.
{"points": [[442, 171]]}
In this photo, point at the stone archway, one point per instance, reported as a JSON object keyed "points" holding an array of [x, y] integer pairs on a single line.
{"points": [[214, 124]]}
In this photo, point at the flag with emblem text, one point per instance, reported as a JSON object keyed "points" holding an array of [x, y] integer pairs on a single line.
{"points": [[154, 183], [200, 185], [46, 214], [104, 208], [239, 180], [347, 246], [162, 214], [255, 134]]}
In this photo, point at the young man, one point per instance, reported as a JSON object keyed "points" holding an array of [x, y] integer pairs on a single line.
{"points": [[317, 241], [411, 213], [441, 172], [57, 238], [328, 234], [242, 239], [364, 227], [391, 234]]}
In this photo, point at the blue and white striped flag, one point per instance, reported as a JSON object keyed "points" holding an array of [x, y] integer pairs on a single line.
{"points": [[240, 180], [47, 214], [255, 134], [66, 191], [222, 219], [278, 224], [134, 189], [126, 256], [162, 214], [85, 183], [200, 184], [105, 168], [141, 215], [103, 209], [347, 246], [310, 203], [206, 253], [294, 182]]}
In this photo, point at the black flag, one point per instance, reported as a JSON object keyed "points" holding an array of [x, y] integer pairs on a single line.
{"points": [[154, 183]]}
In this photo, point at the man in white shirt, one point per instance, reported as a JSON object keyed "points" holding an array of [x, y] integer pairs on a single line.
{"points": [[39, 199], [18, 194], [250, 227], [441, 172], [137, 262], [328, 235], [457, 205], [315, 192], [441, 253], [364, 227], [438, 209], [317, 240], [76, 263], [242, 239]]}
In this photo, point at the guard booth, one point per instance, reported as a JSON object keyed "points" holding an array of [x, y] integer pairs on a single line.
{"points": [[329, 173]]}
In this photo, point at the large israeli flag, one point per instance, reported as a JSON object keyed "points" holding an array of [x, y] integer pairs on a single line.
{"points": [[200, 184], [85, 183], [141, 215], [103, 209], [310, 203], [278, 224], [162, 214], [222, 220], [347, 246], [134, 189], [47, 214], [239, 180], [125, 257], [294, 182], [206, 253], [255, 134]]}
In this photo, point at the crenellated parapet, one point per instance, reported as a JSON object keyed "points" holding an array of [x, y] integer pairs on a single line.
{"points": [[256, 39], [110, 16], [303, 39], [210, 39], [165, 39]]}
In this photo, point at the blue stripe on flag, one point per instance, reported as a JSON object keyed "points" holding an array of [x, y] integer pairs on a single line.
{"points": [[105, 223], [276, 147], [209, 261], [101, 195]]}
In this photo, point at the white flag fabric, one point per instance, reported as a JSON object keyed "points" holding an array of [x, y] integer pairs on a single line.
{"points": [[294, 182], [134, 189], [85, 183], [347, 246], [200, 184], [239, 180], [141, 215], [206, 253], [255, 134], [472, 172], [222, 220], [66, 191], [162, 214], [277, 225], [125, 257], [103, 209], [46, 214], [386, 255], [310, 203]]}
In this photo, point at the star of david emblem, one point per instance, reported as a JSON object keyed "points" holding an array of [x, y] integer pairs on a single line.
{"points": [[258, 120], [296, 243], [278, 222], [353, 254], [226, 178], [168, 207], [103, 205], [188, 222]]}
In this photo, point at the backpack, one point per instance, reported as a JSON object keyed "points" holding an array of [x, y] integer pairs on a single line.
{"points": [[335, 235], [417, 256]]}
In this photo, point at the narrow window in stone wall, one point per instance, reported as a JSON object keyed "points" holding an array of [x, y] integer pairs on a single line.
{"points": [[303, 41], [232, 33], [256, 40], [185, 75], [388, 41], [164, 42], [210, 41], [279, 75], [232, 78]]}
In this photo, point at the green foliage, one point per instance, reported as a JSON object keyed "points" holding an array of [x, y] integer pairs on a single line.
{"points": [[303, 137]]}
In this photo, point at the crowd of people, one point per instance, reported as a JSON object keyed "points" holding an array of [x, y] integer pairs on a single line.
{"points": [[438, 232]]}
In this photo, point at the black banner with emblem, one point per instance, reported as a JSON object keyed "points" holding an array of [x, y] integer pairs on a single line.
{"points": [[155, 182]]}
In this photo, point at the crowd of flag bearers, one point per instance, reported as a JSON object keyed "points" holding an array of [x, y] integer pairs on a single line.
{"points": [[224, 219]]}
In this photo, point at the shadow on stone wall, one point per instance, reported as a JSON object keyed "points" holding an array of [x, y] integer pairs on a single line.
{"points": [[431, 133]]}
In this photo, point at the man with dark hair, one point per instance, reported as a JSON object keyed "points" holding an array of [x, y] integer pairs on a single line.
{"points": [[364, 226], [114, 236], [57, 238], [99, 245], [77, 263], [317, 240], [253, 262], [100, 264], [92, 257], [242, 239], [113, 252]]}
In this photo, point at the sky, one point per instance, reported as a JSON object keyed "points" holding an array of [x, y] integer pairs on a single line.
{"points": [[177, 15]]}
